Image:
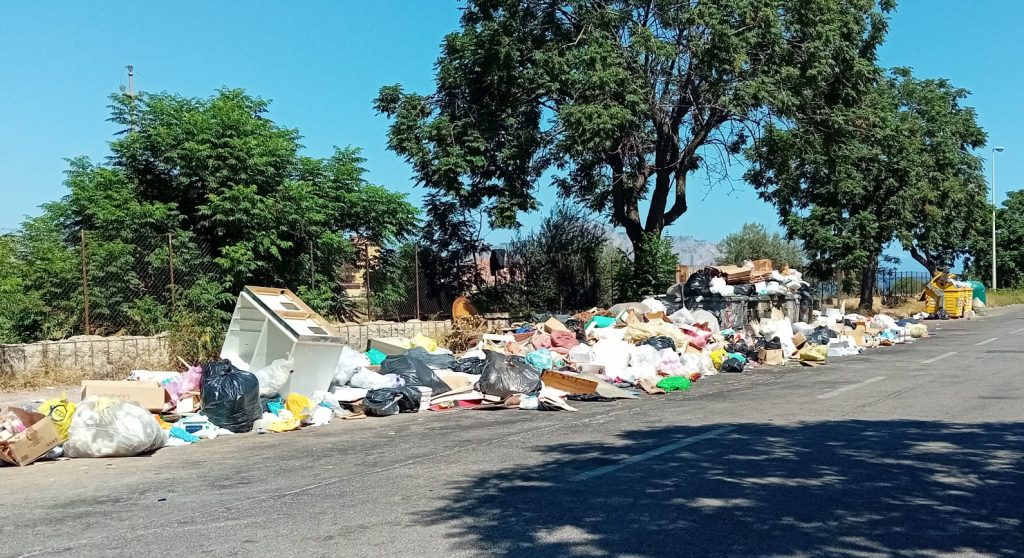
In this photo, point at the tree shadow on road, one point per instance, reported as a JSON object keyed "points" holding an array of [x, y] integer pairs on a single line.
{"points": [[847, 488]]}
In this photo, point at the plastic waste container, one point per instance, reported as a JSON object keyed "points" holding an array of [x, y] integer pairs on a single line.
{"points": [[944, 291], [979, 291]]}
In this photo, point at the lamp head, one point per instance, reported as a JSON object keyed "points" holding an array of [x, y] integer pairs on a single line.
{"points": [[998, 149]]}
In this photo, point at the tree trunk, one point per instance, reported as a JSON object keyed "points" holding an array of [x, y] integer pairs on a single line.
{"points": [[931, 265], [868, 278]]}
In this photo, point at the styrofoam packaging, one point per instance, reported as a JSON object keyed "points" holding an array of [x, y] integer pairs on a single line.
{"points": [[425, 394]]}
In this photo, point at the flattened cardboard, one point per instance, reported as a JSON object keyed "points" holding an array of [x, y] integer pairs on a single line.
{"points": [[39, 437], [604, 389], [771, 357], [150, 395], [650, 388], [554, 324], [568, 382], [391, 346]]}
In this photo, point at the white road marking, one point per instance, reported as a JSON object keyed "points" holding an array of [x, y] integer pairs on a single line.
{"points": [[940, 357], [987, 341], [848, 388], [649, 454], [1021, 330]]}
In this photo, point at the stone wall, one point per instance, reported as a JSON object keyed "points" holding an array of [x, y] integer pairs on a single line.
{"points": [[90, 356]]}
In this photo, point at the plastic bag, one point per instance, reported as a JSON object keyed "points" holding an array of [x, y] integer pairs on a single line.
{"points": [[427, 343], [504, 376], [643, 363], [231, 397], [189, 381], [675, 383], [917, 330], [681, 317], [661, 342], [819, 336], [376, 356], [669, 363], [349, 362], [299, 406], [111, 427], [698, 284], [718, 356], [386, 402], [814, 353], [273, 377], [60, 412], [368, 379], [732, 364], [601, 321], [773, 344], [719, 287], [415, 368], [470, 365], [654, 304], [541, 359]]}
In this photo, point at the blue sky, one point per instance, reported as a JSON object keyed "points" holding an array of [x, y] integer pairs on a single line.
{"points": [[321, 62]]}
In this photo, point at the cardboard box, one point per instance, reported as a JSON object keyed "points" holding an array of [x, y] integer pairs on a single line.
{"points": [[554, 324], [39, 437], [150, 395], [391, 346], [187, 403], [568, 382], [771, 357], [799, 340]]}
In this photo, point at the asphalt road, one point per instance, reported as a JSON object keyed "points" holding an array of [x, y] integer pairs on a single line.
{"points": [[884, 454]]}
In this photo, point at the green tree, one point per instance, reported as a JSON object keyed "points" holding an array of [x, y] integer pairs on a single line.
{"points": [[753, 242], [893, 164], [618, 102], [223, 187], [949, 202], [1009, 245]]}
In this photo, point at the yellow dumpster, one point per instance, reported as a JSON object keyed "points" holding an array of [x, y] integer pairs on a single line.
{"points": [[945, 292]]}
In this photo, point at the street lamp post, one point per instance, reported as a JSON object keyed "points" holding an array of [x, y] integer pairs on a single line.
{"points": [[995, 150]]}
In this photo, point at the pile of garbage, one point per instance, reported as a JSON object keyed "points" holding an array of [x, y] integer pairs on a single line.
{"points": [[549, 363]]}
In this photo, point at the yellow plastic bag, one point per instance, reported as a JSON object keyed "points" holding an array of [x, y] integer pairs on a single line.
{"points": [[420, 340], [814, 353], [299, 405], [918, 330], [718, 356], [283, 425], [60, 412]]}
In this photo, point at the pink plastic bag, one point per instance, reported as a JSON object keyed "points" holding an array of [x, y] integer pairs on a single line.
{"points": [[189, 381]]}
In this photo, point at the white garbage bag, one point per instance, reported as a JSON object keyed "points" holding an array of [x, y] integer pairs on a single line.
{"points": [[349, 362], [654, 304], [111, 427], [274, 376]]}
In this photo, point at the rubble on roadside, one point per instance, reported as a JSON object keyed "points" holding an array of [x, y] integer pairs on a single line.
{"points": [[283, 368]]}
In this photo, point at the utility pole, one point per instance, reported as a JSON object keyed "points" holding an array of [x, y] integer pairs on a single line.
{"points": [[995, 150], [131, 80]]}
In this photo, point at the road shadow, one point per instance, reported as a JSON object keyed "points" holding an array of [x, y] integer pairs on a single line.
{"points": [[847, 488]]}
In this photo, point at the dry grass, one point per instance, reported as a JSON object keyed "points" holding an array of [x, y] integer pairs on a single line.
{"points": [[1005, 297], [66, 363]]}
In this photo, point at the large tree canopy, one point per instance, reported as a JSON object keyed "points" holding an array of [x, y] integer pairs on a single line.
{"points": [[849, 179], [618, 102], [220, 184]]}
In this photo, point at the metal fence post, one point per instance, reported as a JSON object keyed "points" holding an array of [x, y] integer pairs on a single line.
{"points": [[170, 270], [416, 271], [85, 282], [369, 303]]}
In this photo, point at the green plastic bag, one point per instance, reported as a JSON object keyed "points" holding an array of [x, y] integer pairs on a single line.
{"points": [[601, 321], [376, 357], [675, 383]]}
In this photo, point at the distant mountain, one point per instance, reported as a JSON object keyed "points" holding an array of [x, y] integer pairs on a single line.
{"points": [[691, 251]]}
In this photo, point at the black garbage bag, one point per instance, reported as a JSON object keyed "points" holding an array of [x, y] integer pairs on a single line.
{"points": [[576, 326], [775, 343], [506, 375], [745, 290], [819, 336], [732, 365], [699, 284], [231, 397], [391, 401], [940, 315], [415, 368], [471, 365], [671, 306], [660, 343]]}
